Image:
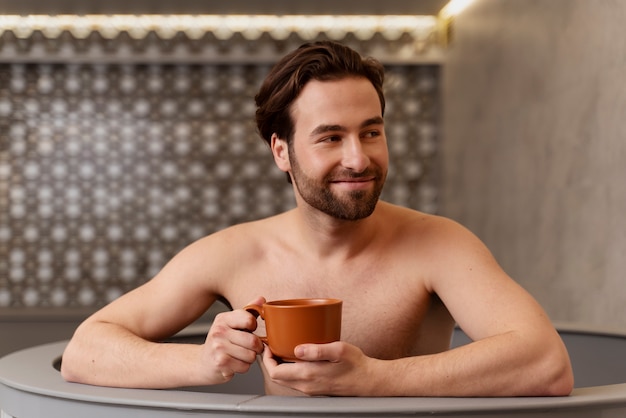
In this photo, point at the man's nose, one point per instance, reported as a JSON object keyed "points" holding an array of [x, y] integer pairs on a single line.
{"points": [[354, 156]]}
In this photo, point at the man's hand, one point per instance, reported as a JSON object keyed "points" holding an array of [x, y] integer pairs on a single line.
{"points": [[230, 346], [337, 368]]}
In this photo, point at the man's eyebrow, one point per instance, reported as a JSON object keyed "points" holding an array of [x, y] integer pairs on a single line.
{"points": [[320, 129], [373, 121]]}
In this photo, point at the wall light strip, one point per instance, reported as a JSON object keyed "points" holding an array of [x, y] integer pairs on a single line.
{"points": [[223, 27], [453, 8]]}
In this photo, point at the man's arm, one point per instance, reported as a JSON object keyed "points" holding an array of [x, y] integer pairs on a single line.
{"points": [[515, 350], [118, 345]]}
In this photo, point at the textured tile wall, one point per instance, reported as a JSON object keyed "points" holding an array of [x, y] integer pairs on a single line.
{"points": [[107, 170]]}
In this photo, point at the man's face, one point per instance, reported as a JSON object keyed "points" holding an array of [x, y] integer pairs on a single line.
{"points": [[338, 156]]}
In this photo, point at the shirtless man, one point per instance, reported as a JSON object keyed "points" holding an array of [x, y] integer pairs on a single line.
{"points": [[405, 277]]}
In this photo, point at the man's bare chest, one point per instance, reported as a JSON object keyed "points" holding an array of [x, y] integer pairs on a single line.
{"points": [[383, 309]]}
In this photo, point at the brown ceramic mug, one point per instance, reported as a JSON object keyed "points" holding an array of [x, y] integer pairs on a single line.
{"points": [[291, 322]]}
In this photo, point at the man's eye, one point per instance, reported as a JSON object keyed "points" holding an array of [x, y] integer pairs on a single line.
{"points": [[372, 134], [333, 138]]}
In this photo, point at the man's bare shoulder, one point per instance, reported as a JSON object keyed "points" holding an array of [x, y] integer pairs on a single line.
{"points": [[429, 239], [416, 223], [245, 240]]}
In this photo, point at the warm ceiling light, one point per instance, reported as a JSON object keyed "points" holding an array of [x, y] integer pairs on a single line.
{"points": [[446, 18], [453, 8], [251, 27]]}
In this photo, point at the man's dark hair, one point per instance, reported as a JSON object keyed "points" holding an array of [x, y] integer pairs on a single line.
{"points": [[322, 61]]}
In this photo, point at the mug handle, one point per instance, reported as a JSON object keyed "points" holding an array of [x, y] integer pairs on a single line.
{"points": [[256, 310]]}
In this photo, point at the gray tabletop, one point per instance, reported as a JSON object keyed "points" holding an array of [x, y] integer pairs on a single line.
{"points": [[30, 387]]}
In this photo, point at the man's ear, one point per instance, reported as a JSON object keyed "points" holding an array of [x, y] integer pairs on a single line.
{"points": [[280, 150]]}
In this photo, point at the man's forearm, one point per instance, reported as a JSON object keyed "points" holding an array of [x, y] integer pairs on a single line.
{"points": [[108, 355], [496, 366]]}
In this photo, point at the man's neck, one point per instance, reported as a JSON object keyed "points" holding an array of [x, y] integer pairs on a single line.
{"points": [[328, 236]]}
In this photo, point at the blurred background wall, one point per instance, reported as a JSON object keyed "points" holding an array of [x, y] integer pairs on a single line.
{"points": [[534, 147]]}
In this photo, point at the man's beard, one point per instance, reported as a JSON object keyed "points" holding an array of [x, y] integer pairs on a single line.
{"points": [[351, 206]]}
